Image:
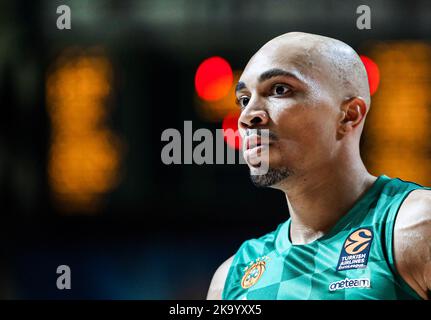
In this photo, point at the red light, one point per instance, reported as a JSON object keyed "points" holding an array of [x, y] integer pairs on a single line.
{"points": [[213, 79], [232, 137], [372, 72]]}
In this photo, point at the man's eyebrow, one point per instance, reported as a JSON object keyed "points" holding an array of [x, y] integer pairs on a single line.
{"points": [[275, 73], [241, 85], [271, 73]]}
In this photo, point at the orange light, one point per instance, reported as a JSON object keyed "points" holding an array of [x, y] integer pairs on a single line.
{"points": [[372, 72], [397, 135], [231, 133], [84, 155], [213, 79]]}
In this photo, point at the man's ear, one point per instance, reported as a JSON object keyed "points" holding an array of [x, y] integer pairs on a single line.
{"points": [[352, 113]]}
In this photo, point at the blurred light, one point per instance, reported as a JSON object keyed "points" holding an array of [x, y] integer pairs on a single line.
{"points": [[84, 155], [372, 73], [215, 111], [231, 132], [397, 129], [213, 79]]}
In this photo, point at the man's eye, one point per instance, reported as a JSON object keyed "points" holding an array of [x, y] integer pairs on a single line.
{"points": [[280, 89], [243, 101]]}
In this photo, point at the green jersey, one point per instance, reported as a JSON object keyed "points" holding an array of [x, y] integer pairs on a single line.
{"points": [[354, 260]]}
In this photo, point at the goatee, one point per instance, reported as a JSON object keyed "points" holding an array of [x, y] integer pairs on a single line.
{"points": [[272, 177]]}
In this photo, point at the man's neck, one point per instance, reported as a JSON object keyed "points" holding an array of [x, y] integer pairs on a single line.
{"points": [[317, 201]]}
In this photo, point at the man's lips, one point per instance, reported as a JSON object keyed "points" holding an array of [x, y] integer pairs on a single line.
{"points": [[255, 141], [255, 148]]}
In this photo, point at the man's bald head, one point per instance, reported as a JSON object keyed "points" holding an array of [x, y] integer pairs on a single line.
{"points": [[330, 60], [311, 92]]}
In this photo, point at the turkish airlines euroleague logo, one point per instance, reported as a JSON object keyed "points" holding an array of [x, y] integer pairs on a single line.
{"points": [[356, 249], [358, 241]]}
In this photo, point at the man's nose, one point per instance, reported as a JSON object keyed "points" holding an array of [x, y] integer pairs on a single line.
{"points": [[253, 118]]}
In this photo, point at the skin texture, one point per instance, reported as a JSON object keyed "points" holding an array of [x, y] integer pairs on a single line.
{"points": [[412, 242], [311, 93]]}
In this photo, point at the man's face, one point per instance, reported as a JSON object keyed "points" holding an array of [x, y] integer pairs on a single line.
{"points": [[285, 90]]}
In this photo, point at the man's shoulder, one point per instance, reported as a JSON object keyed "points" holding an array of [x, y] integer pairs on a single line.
{"points": [[412, 232], [414, 217], [417, 204]]}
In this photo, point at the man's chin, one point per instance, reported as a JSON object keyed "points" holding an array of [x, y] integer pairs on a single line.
{"points": [[271, 178]]}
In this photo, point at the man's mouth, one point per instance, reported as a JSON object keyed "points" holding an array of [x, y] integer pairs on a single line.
{"points": [[253, 149], [253, 142]]}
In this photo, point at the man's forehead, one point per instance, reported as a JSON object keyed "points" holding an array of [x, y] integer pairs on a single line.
{"points": [[292, 61]]}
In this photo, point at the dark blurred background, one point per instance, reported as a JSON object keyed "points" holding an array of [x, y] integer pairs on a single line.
{"points": [[81, 177]]}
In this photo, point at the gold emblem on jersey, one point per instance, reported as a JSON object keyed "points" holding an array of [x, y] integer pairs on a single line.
{"points": [[253, 272]]}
